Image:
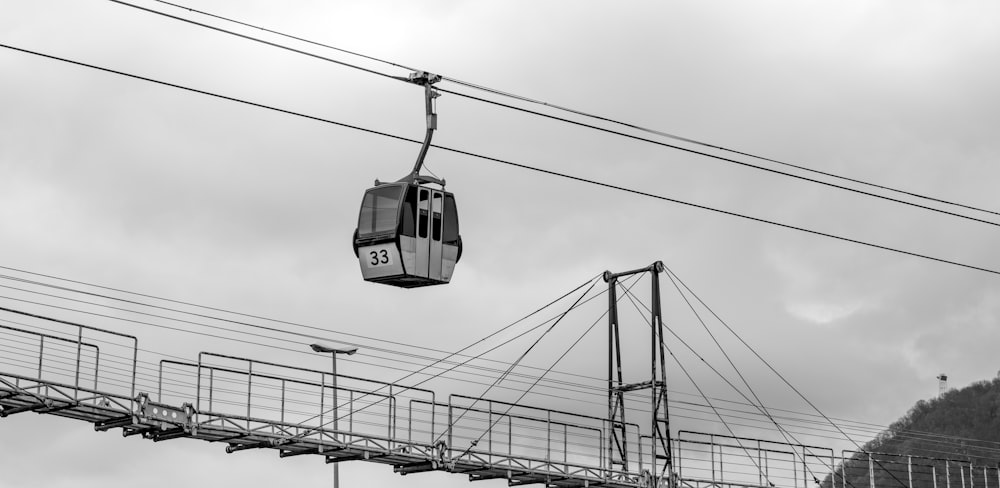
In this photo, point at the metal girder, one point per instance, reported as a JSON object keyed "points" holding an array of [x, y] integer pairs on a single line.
{"points": [[289, 453], [267, 443], [490, 475], [7, 411], [231, 448], [131, 431], [533, 479], [370, 455], [54, 409], [349, 457], [422, 467], [166, 435], [419, 448], [114, 423]]}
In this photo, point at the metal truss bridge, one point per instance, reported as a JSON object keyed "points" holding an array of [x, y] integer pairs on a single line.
{"points": [[92, 375]]}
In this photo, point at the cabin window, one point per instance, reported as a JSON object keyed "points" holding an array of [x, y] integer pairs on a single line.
{"points": [[450, 235], [379, 210], [436, 215], [408, 227], [422, 212]]}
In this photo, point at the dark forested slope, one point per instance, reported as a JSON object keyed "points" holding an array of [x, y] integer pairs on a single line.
{"points": [[938, 437]]}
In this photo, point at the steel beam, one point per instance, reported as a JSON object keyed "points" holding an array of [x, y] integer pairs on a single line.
{"points": [[289, 453], [405, 469], [490, 475], [349, 457], [105, 425], [7, 411], [167, 435]]}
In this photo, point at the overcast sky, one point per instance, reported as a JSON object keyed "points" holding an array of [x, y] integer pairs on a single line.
{"points": [[128, 184]]}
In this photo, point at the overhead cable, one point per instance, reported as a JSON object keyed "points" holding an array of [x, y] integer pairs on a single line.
{"points": [[520, 165], [773, 370], [576, 112], [867, 427], [584, 392]]}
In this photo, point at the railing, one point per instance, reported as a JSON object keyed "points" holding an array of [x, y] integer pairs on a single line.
{"points": [[719, 460], [519, 437], [870, 469], [265, 398], [86, 373], [247, 403], [61, 368]]}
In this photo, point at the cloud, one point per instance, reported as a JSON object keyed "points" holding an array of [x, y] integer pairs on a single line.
{"points": [[152, 189], [823, 313]]}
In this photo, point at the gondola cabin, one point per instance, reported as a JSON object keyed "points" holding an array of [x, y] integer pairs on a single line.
{"points": [[407, 235]]}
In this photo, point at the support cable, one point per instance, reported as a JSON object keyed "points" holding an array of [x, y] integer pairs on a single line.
{"points": [[527, 167], [436, 361], [152, 366], [314, 429], [251, 325], [250, 316], [576, 385], [939, 442], [68, 369], [251, 38], [773, 370], [528, 390], [724, 159], [703, 395], [866, 427], [269, 31], [518, 361], [755, 402], [565, 109], [409, 374]]}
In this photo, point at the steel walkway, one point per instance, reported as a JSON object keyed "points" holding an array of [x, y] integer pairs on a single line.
{"points": [[49, 366], [249, 404]]}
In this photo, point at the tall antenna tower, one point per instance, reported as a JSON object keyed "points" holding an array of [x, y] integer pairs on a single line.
{"points": [[942, 384]]}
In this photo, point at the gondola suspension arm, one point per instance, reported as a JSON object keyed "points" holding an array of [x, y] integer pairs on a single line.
{"points": [[427, 80]]}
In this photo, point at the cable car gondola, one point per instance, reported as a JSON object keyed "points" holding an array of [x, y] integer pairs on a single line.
{"points": [[407, 232]]}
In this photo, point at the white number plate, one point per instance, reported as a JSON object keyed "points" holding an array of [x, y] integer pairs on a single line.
{"points": [[379, 256]]}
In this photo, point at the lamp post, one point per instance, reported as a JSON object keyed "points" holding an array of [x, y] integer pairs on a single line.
{"points": [[333, 356]]}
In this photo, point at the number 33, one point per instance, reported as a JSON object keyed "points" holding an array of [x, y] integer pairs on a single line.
{"points": [[380, 256]]}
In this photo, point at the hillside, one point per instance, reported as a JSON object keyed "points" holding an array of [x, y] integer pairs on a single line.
{"points": [[945, 435]]}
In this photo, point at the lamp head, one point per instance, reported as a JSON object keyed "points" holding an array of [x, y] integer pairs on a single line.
{"points": [[327, 349]]}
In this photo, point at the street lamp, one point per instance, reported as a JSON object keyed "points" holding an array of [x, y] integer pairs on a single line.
{"points": [[333, 355]]}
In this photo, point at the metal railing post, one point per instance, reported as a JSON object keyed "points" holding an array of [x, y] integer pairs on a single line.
{"points": [[79, 350], [451, 427], [249, 390], [392, 413], [282, 401], [871, 471], [97, 365], [843, 470], [159, 384], [322, 408], [41, 354], [197, 393], [565, 448], [548, 438]]}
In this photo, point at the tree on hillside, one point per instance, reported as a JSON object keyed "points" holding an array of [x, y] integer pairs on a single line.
{"points": [[953, 440]]}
